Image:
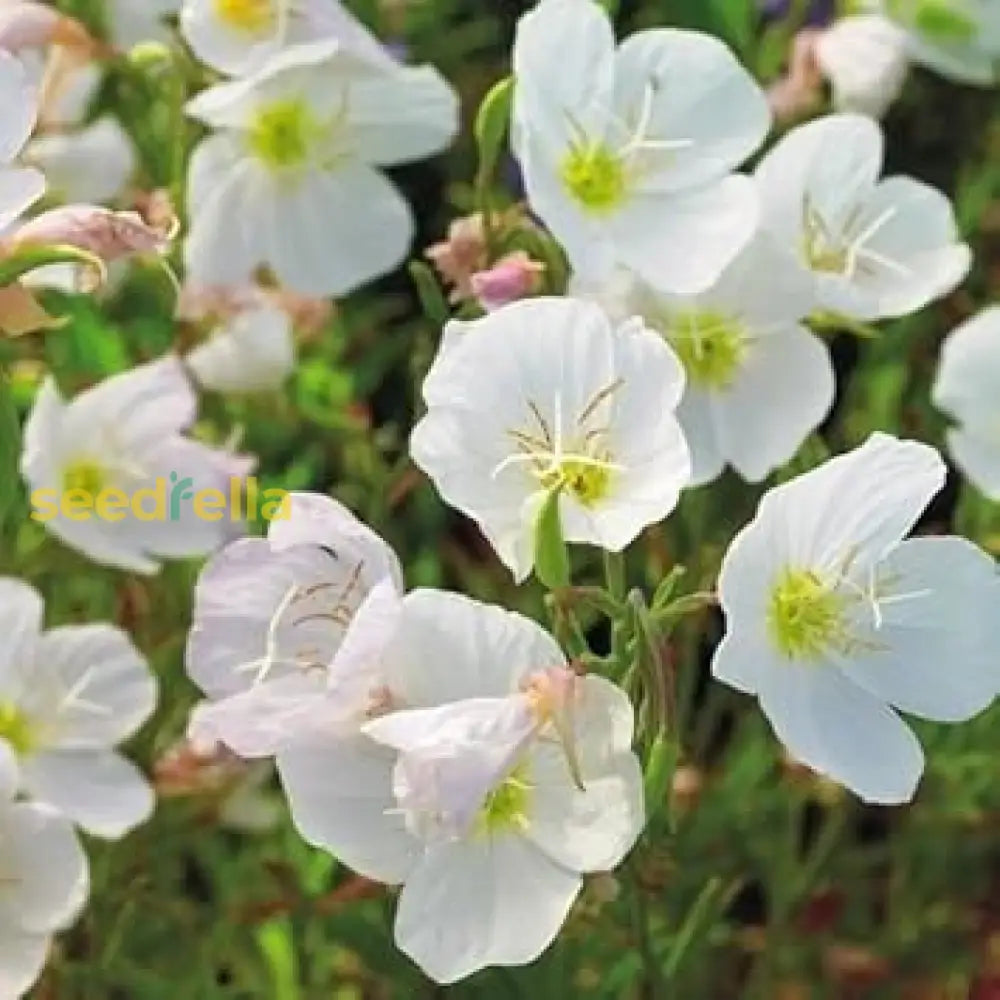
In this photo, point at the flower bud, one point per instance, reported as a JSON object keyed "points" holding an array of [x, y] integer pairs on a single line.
{"points": [[864, 59], [511, 278], [31, 25]]}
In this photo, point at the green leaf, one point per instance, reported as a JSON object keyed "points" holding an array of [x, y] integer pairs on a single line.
{"points": [[429, 291], [551, 555], [658, 775], [492, 121], [10, 449]]}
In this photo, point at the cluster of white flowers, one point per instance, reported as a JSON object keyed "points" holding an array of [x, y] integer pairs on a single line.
{"points": [[425, 739]]}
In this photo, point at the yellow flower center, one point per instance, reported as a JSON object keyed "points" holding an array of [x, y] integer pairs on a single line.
{"points": [[283, 133], [84, 474], [805, 617], [250, 16], [595, 177], [711, 346], [16, 729], [587, 483], [505, 807]]}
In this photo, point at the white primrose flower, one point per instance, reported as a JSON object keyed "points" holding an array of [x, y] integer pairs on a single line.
{"points": [[878, 248], [521, 781], [967, 387], [68, 697], [43, 886], [758, 381], [290, 181], [627, 154], [251, 351], [865, 60], [833, 620], [547, 394], [20, 187], [285, 629], [113, 476], [959, 39], [93, 164], [237, 36]]}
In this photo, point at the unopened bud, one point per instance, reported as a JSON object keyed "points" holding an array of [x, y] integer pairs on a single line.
{"points": [[510, 279]]}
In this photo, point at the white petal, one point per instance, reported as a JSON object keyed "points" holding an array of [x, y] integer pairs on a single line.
{"points": [[338, 229], [921, 239], [235, 51], [837, 728], [20, 188], [22, 958], [108, 690], [226, 241], [967, 384], [320, 520], [978, 456], [262, 720], [938, 636], [564, 68], [449, 647], [42, 851], [590, 830], [19, 101], [253, 352], [481, 902], [700, 95], [682, 242], [859, 504], [93, 164], [696, 414], [21, 612], [833, 161], [407, 115], [784, 390], [98, 790], [237, 597], [340, 794]]}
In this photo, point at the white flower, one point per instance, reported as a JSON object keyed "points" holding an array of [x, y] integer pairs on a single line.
{"points": [[480, 818], [967, 388], [959, 39], [93, 164], [831, 618], [627, 153], [126, 434], [758, 381], [251, 351], [865, 60], [132, 22], [43, 886], [878, 248], [20, 187], [237, 36], [547, 394], [68, 697], [285, 629], [291, 180]]}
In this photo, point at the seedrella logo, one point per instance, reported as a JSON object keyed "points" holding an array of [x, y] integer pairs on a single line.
{"points": [[168, 499]]}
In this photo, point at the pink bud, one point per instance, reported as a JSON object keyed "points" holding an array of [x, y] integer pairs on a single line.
{"points": [[510, 279], [798, 92], [107, 235]]}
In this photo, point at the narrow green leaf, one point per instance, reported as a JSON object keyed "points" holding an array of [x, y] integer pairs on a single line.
{"points": [[432, 301], [10, 449], [492, 121], [658, 775]]}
